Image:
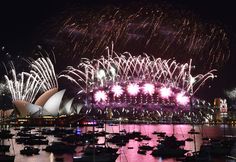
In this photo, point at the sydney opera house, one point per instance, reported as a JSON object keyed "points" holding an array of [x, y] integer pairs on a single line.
{"points": [[50, 103], [24, 88]]}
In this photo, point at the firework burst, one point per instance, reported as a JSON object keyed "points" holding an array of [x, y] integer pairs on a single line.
{"points": [[135, 79], [135, 69]]}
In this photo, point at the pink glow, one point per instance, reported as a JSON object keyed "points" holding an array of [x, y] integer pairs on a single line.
{"points": [[182, 99], [133, 89], [100, 96], [117, 90], [148, 89], [165, 92]]}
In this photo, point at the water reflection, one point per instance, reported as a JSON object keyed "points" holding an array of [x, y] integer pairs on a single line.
{"points": [[126, 153]]}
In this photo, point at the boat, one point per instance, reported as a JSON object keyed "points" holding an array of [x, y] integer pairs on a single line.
{"points": [[143, 152], [60, 147], [24, 134], [193, 131], [139, 139], [133, 135], [4, 148], [189, 139], [7, 158], [172, 142], [169, 147], [102, 157], [35, 142], [5, 134], [169, 152], [160, 134], [27, 150], [145, 137], [145, 147], [119, 139], [197, 157]]}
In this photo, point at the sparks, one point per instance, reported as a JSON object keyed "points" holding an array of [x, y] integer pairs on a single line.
{"points": [[117, 90]]}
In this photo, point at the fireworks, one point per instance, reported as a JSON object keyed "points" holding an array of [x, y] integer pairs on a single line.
{"points": [[43, 69], [23, 86], [176, 42], [165, 92], [231, 93], [100, 96], [182, 99], [147, 29], [3, 89], [132, 76], [133, 89], [148, 89], [117, 90]]}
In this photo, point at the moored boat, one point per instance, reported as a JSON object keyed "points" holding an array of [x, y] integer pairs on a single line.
{"points": [[27, 150]]}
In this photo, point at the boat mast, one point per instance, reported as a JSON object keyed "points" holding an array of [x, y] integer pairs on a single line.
{"points": [[194, 136]]}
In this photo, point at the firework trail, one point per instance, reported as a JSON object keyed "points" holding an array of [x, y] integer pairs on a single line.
{"points": [[147, 30], [23, 86], [43, 69]]}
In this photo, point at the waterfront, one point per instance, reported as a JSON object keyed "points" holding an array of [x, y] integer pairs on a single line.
{"points": [[127, 154]]}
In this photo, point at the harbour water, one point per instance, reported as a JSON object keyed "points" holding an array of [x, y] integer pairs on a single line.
{"points": [[129, 153]]}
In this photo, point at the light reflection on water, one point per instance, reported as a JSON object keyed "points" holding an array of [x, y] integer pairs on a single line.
{"points": [[131, 155]]}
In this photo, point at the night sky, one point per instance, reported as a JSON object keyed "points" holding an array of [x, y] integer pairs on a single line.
{"points": [[24, 24]]}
